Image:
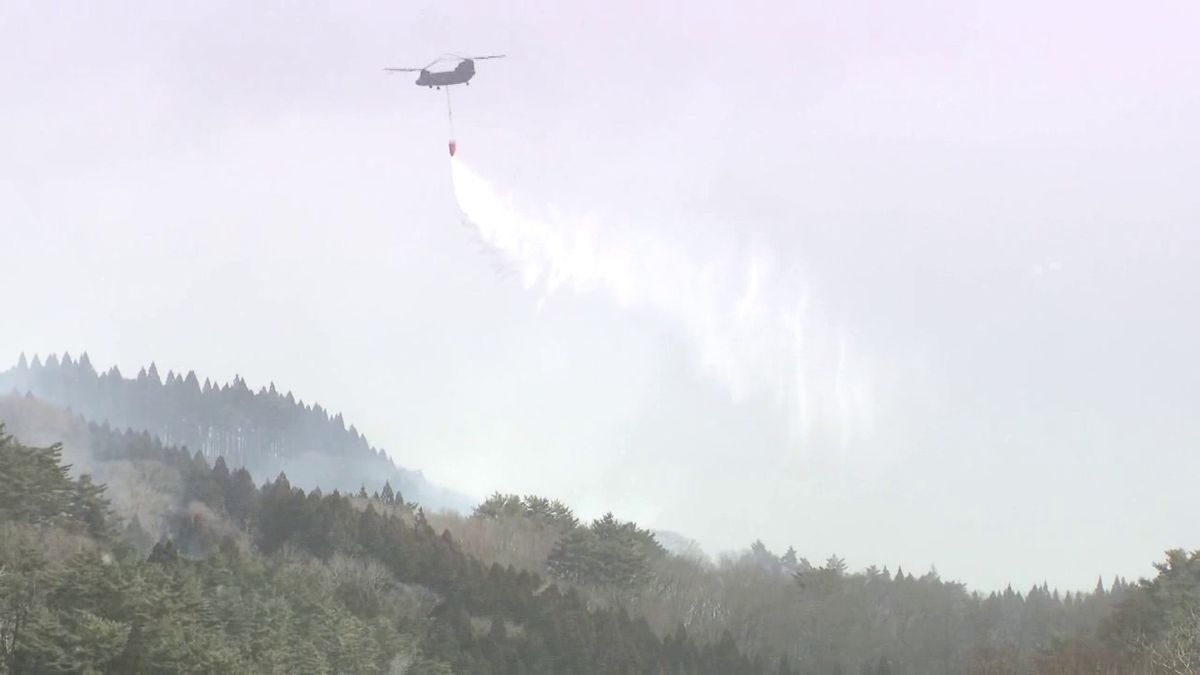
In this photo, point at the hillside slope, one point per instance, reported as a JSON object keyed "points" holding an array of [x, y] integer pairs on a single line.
{"points": [[279, 580], [265, 431]]}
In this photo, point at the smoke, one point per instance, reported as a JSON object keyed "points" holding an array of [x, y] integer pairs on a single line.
{"points": [[143, 487], [752, 324]]}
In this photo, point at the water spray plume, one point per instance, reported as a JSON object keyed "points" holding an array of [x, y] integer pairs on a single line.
{"points": [[751, 322]]}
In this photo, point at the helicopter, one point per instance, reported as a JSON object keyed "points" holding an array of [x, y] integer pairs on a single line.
{"points": [[462, 72]]}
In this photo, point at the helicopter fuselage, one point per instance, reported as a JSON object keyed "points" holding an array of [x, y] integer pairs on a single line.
{"points": [[461, 74]]}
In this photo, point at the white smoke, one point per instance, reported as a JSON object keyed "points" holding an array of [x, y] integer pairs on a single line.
{"points": [[750, 319]]}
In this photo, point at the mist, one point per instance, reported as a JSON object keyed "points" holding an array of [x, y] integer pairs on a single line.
{"points": [[910, 285], [752, 324]]}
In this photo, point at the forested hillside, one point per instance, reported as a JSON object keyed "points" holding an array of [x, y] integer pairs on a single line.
{"points": [[274, 579], [822, 617], [265, 431], [145, 557]]}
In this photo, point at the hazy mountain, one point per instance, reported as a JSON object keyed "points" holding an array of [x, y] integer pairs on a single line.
{"points": [[265, 431], [347, 581]]}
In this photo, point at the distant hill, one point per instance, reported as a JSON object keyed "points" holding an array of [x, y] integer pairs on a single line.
{"points": [[274, 579], [251, 574], [265, 431]]}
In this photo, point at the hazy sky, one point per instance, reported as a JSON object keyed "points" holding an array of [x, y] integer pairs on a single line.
{"points": [[913, 283]]}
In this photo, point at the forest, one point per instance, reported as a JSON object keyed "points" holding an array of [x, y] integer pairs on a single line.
{"points": [[138, 534], [265, 431]]}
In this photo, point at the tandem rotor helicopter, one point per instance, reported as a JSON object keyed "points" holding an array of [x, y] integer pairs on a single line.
{"points": [[461, 73]]}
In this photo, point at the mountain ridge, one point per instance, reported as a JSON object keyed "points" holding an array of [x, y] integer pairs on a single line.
{"points": [[267, 432]]}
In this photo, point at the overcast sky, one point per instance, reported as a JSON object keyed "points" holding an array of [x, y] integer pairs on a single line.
{"points": [[913, 283]]}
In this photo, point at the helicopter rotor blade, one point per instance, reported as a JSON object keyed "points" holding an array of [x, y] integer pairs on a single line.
{"points": [[441, 58], [474, 58]]}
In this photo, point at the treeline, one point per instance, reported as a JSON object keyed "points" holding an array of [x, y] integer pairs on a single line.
{"points": [[76, 597], [824, 618], [769, 606], [265, 431], [193, 566], [303, 582]]}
